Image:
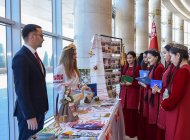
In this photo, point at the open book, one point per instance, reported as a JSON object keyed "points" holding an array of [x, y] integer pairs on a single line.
{"points": [[157, 83], [145, 80], [143, 73], [144, 77]]}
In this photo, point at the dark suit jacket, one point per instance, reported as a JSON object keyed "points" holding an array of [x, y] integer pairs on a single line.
{"points": [[30, 85]]}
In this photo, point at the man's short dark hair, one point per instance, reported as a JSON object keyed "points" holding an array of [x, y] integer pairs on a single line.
{"points": [[29, 28]]}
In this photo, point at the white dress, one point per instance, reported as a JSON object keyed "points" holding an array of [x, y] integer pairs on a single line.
{"points": [[60, 80]]}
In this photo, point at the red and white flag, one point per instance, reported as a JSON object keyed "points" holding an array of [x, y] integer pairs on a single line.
{"points": [[153, 40]]}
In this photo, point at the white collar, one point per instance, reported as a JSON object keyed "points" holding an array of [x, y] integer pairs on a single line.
{"points": [[30, 48]]}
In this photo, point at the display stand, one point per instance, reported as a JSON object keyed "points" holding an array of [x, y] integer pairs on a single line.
{"points": [[105, 68]]}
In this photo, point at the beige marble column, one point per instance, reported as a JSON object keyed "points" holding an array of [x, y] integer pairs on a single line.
{"points": [[179, 33], [155, 10], [141, 26], [124, 23], [90, 17], [166, 26]]}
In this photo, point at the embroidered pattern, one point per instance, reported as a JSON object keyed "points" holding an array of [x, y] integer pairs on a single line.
{"points": [[58, 78]]}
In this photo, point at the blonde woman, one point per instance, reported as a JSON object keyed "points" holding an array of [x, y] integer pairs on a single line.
{"points": [[67, 73]]}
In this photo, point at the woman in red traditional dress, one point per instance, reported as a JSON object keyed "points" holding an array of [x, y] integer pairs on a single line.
{"points": [[153, 98], [141, 118], [169, 69], [131, 96], [177, 104], [123, 87]]}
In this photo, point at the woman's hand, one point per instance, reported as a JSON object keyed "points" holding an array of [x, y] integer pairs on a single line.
{"points": [[142, 84], [128, 84], [125, 83], [122, 83], [155, 89]]}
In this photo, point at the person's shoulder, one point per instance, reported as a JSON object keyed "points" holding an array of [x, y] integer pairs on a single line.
{"points": [[183, 71], [20, 53], [59, 69], [19, 56], [185, 68], [160, 65]]}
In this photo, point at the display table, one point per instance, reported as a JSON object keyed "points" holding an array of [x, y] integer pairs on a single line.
{"points": [[106, 117]]}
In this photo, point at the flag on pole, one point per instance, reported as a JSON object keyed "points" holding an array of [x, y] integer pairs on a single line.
{"points": [[153, 40]]}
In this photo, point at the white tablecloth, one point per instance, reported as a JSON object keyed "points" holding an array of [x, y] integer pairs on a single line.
{"points": [[115, 129], [109, 113]]}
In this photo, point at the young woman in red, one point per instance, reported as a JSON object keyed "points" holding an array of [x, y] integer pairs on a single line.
{"points": [[131, 96], [177, 105], [123, 87], [169, 69], [141, 118], [153, 98]]}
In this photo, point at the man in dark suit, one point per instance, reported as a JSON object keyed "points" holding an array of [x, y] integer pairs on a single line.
{"points": [[30, 86]]}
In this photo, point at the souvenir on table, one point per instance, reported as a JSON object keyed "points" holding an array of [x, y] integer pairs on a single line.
{"points": [[43, 136], [90, 93], [68, 137], [86, 93], [89, 125], [68, 109], [88, 99], [96, 99], [48, 133], [93, 88], [88, 134]]}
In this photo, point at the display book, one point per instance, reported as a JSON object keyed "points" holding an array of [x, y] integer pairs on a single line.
{"points": [[105, 64], [111, 60], [86, 128], [146, 80], [58, 132]]}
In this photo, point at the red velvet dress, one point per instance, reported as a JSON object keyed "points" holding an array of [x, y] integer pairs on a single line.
{"points": [[141, 119], [131, 101], [177, 106], [123, 87], [162, 114], [145, 105], [153, 109]]}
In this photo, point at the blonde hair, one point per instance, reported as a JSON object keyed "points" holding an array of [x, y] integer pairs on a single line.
{"points": [[66, 59]]}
